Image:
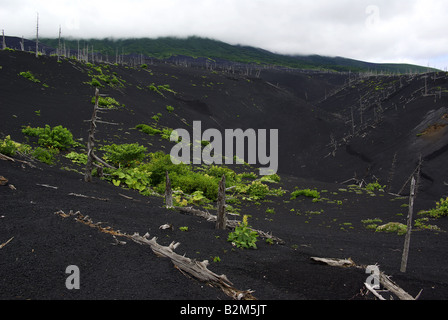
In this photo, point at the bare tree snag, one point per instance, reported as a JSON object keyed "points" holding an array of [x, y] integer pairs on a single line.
{"points": [[37, 36], [168, 192], [221, 219], [91, 157], [91, 141], [404, 258]]}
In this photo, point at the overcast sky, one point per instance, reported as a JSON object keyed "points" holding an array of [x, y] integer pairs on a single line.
{"points": [[399, 31]]}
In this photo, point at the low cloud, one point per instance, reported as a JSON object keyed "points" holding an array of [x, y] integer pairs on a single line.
{"points": [[384, 31]]}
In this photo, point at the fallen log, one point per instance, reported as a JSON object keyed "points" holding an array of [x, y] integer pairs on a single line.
{"points": [[384, 279], [194, 268]]}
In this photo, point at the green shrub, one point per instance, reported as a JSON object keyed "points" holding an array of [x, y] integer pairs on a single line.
{"points": [[28, 75], [148, 129], [441, 209], [305, 192], [243, 236], [124, 154], [159, 164], [219, 171], [76, 157], [393, 227], [57, 137], [106, 102], [169, 108], [257, 190], [132, 178], [45, 155], [375, 186], [8, 147]]}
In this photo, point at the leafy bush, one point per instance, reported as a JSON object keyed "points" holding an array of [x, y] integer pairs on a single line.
{"points": [[243, 236], [28, 75], [132, 178], [57, 137], [257, 190], [159, 164], [148, 129], [393, 227], [45, 155], [76, 157], [124, 154], [441, 209], [219, 171], [106, 102], [305, 192], [375, 186], [169, 108]]}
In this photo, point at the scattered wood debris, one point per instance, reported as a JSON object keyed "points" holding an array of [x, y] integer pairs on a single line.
{"points": [[192, 267], [89, 197], [4, 244], [3, 181], [231, 224], [166, 226], [46, 186], [382, 278]]}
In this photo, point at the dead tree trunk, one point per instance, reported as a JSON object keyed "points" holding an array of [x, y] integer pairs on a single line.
{"points": [[3, 42], [37, 36], [404, 258], [168, 193], [91, 157], [221, 220], [91, 141]]}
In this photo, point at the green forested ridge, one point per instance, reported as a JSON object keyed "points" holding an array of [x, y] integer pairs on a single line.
{"points": [[195, 47]]}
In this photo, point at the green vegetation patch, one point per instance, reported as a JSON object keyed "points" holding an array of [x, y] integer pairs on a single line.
{"points": [[393, 227], [306, 193], [243, 236], [28, 75], [57, 137]]}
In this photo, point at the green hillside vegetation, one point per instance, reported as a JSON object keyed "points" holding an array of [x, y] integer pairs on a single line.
{"points": [[196, 47]]}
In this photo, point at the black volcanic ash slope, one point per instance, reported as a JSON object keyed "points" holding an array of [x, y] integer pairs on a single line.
{"points": [[370, 119]]}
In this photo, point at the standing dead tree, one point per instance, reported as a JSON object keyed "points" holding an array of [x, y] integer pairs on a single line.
{"points": [[37, 36], [168, 193], [404, 258], [221, 219], [91, 157]]}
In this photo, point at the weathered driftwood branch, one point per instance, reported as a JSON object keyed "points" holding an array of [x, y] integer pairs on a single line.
{"points": [[7, 158], [4, 244], [382, 277], [89, 197], [194, 268]]}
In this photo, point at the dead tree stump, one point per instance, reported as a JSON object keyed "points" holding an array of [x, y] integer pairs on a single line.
{"points": [[221, 219]]}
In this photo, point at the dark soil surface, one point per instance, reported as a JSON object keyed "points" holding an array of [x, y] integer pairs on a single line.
{"points": [[33, 263]]}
